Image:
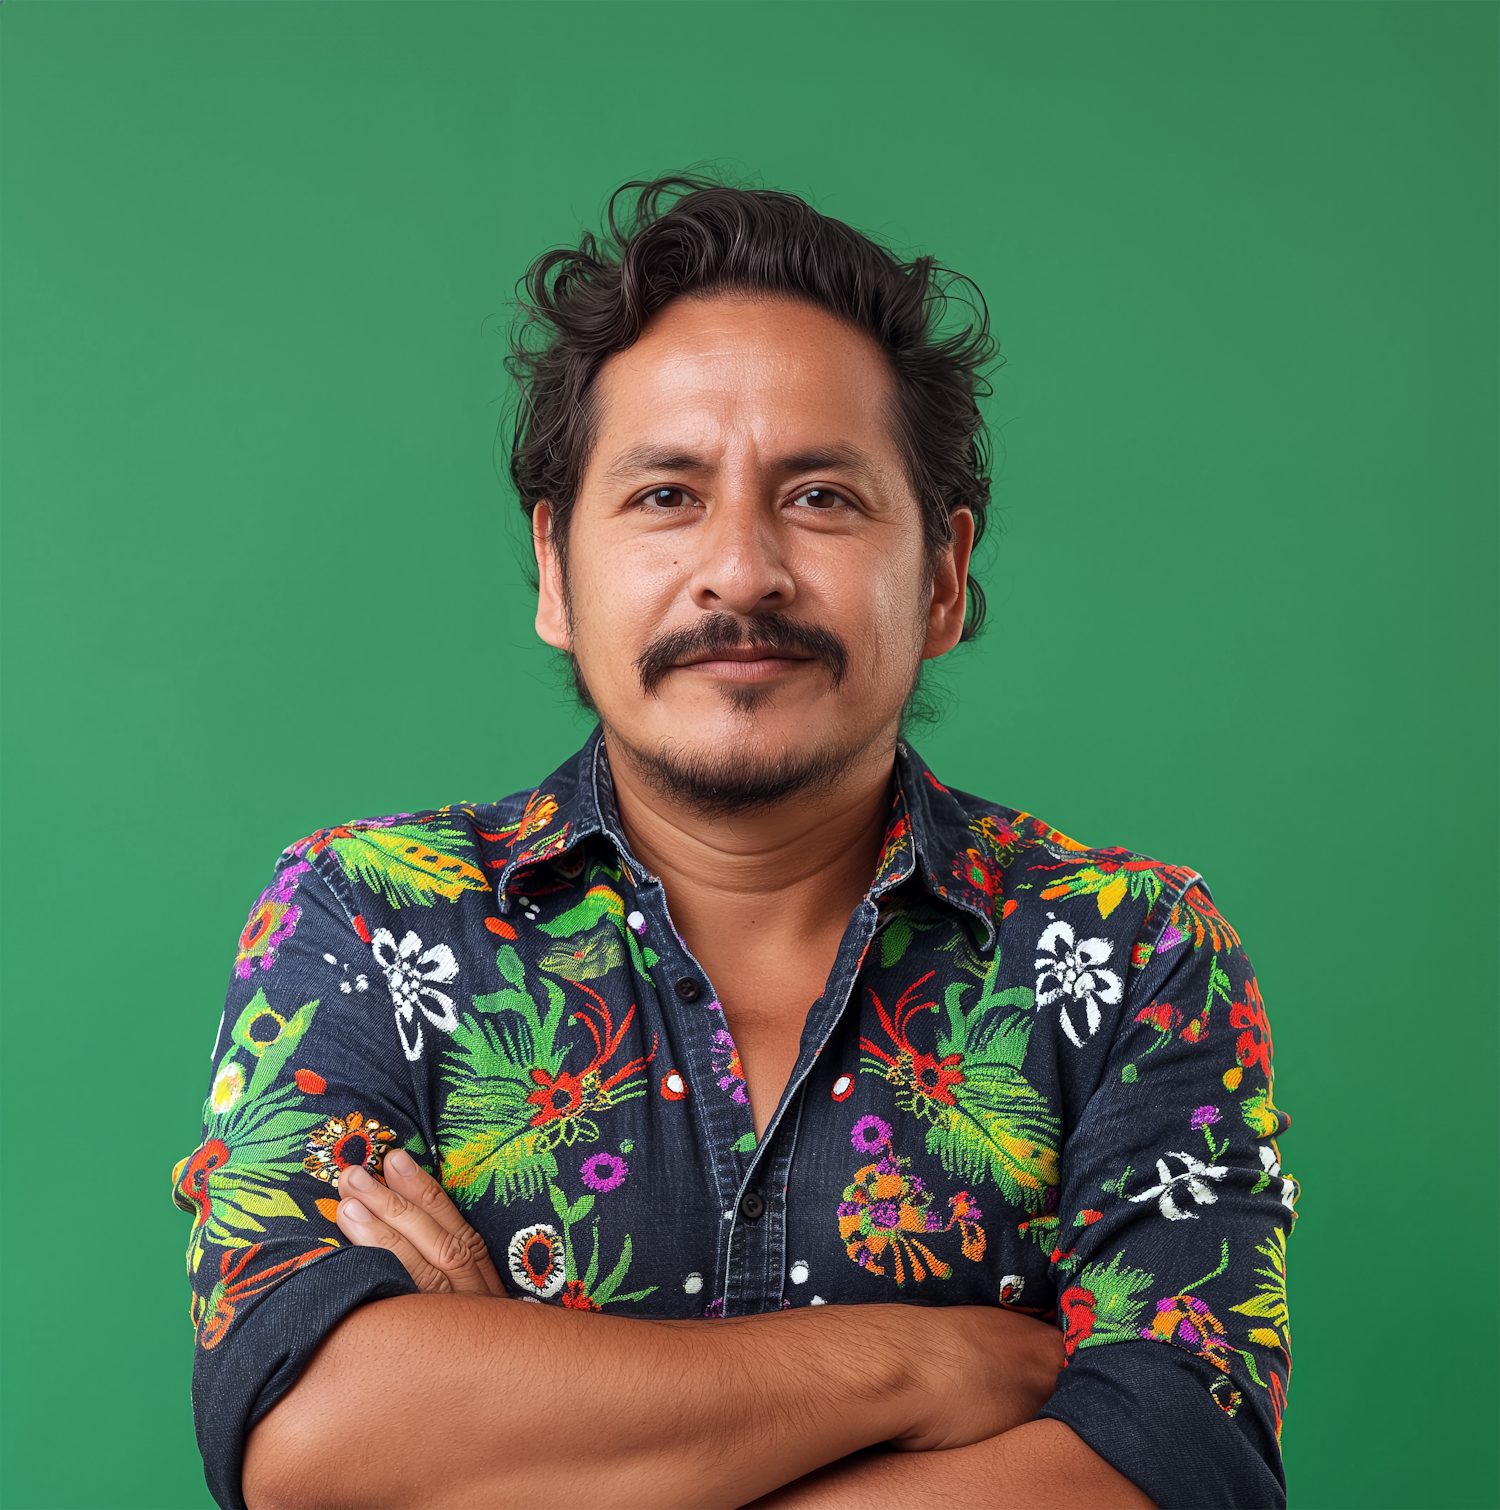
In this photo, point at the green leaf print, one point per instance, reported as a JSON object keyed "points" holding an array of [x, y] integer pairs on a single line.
{"points": [[1269, 1301], [1117, 1302], [986, 1120], [512, 1097], [601, 904], [409, 864], [254, 1135]]}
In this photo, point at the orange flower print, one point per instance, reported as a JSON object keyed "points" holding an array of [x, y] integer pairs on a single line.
{"points": [[342, 1142], [885, 1207]]}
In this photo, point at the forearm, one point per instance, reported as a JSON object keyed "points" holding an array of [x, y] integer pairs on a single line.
{"points": [[1042, 1465], [458, 1400]]}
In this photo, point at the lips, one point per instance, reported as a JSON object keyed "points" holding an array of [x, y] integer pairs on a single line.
{"points": [[744, 655]]}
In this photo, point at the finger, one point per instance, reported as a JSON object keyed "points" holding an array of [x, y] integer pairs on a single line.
{"points": [[407, 1178], [365, 1230], [444, 1250]]}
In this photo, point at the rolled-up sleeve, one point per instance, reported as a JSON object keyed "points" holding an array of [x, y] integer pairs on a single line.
{"points": [[307, 1079], [1174, 1213]]}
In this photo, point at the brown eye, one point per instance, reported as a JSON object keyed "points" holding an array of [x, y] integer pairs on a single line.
{"points": [[665, 498], [820, 498]]}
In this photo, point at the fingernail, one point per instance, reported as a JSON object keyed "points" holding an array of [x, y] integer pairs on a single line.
{"points": [[400, 1162], [356, 1176], [354, 1211]]}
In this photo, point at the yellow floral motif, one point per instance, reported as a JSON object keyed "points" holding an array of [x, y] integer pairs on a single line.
{"points": [[229, 1086]]}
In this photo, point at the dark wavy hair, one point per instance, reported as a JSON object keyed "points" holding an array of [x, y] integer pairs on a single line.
{"points": [[688, 235]]}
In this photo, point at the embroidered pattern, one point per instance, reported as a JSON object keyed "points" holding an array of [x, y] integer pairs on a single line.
{"points": [[1053, 1065], [884, 1208]]}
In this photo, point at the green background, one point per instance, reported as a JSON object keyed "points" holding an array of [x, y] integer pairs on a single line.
{"points": [[261, 574]]}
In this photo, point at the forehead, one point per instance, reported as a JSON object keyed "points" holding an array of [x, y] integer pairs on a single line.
{"points": [[770, 370]]}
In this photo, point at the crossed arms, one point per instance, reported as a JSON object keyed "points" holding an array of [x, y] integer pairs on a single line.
{"points": [[459, 1397]]}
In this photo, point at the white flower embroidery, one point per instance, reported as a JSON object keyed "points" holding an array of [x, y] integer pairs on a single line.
{"points": [[1073, 973], [1272, 1166], [410, 972], [538, 1261], [1193, 1180]]}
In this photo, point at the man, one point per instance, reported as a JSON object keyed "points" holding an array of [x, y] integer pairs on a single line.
{"points": [[819, 1106]]}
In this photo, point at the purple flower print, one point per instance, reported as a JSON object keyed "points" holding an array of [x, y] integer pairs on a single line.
{"points": [[885, 1214], [273, 920], [849, 1208], [605, 1171], [870, 1135], [1205, 1116], [1171, 937], [727, 1060]]}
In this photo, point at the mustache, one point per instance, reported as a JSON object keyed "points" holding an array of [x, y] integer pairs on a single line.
{"points": [[718, 632]]}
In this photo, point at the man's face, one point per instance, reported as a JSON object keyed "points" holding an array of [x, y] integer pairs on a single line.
{"points": [[749, 594]]}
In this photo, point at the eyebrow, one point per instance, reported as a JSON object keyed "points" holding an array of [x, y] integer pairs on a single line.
{"points": [[651, 458]]}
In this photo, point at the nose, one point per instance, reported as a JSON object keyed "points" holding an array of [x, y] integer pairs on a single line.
{"points": [[741, 564]]}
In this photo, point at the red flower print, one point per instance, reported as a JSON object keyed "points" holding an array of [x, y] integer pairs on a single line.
{"points": [[930, 1079], [310, 1082], [1162, 1016], [234, 1285], [1254, 1046], [934, 1076], [975, 869], [1077, 1307], [194, 1181], [574, 1298], [561, 1096]]}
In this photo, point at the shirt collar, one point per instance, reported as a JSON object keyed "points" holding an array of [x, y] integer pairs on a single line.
{"points": [[931, 833]]}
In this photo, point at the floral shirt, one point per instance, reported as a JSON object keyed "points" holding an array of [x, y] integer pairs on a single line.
{"points": [[1039, 1077]]}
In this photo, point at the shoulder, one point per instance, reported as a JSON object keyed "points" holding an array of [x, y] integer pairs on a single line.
{"points": [[1052, 884], [416, 858]]}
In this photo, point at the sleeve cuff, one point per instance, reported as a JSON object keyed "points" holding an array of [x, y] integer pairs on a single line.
{"points": [[1146, 1410], [265, 1352]]}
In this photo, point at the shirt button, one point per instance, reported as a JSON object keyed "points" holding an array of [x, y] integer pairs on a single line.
{"points": [[687, 988], [752, 1207]]}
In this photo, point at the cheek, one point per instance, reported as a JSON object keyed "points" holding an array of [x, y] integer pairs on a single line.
{"points": [[880, 609], [621, 597]]}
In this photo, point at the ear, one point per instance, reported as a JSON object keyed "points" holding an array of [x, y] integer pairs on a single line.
{"points": [[551, 601], [945, 615]]}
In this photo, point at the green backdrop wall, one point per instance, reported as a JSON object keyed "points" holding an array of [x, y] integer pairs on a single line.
{"points": [[1242, 262]]}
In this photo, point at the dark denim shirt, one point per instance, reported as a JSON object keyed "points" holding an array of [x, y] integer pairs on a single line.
{"points": [[1039, 1076]]}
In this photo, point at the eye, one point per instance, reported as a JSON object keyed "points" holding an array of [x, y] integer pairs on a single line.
{"points": [[822, 499], [666, 498]]}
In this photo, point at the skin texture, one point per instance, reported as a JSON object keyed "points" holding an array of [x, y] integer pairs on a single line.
{"points": [[742, 466]]}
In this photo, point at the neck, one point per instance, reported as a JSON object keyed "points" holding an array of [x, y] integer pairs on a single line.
{"points": [[803, 862]]}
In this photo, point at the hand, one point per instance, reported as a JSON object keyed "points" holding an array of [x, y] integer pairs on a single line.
{"points": [[985, 1371], [412, 1216]]}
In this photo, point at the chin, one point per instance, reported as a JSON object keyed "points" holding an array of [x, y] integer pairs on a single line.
{"points": [[742, 766]]}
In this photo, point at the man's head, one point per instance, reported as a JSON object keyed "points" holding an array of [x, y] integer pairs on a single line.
{"points": [[755, 470]]}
